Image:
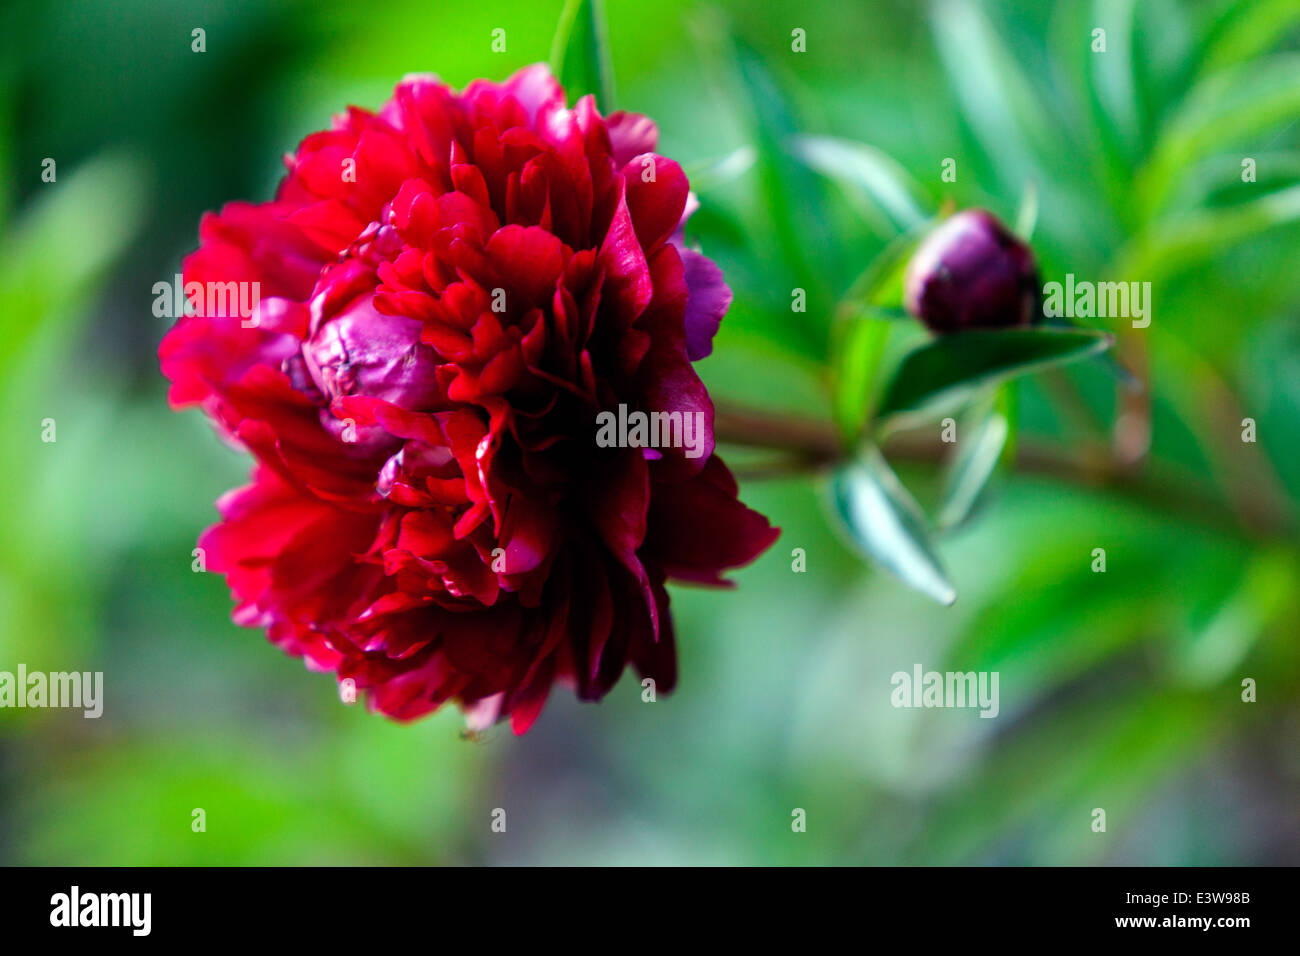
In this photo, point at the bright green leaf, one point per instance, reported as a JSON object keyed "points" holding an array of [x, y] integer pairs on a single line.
{"points": [[858, 357], [580, 53], [1247, 29]]}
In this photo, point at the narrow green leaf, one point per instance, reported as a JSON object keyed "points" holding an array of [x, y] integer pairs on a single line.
{"points": [[867, 170], [1246, 29], [789, 222], [880, 284], [951, 368], [1222, 112], [1112, 74], [793, 196], [580, 53], [1007, 404], [887, 524], [1207, 651], [979, 448], [1106, 127], [1187, 240], [1216, 182], [999, 100], [712, 173], [1271, 390], [1027, 215]]}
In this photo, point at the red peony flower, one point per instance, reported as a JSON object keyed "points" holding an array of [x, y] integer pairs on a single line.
{"points": [[450, 291]]}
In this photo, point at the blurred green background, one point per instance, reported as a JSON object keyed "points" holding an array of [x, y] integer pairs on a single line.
{"points": [[1120, 691]]}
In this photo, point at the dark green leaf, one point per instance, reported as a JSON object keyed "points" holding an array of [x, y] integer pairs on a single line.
{"points": [[951, 368], [793, 197]]}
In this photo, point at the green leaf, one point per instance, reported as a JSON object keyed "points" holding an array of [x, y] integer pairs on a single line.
{"points": [[1035, 781], [1105, 130], [867, 170], [1007, 404], [1112, 73], [887, 524], [1187, 240], [712, 173], [979, 448], [1271, 380], [864, 321], [1208, 651], [880, 284], [56, 252], [997, 97], [1027, 214], [1217, 181], [793, 197], [950, 369], [1247, 29], [1222, 112], [858, 353], [580, 53], [865, 318]]}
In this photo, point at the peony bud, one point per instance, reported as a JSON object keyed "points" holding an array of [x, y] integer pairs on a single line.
{"points": [[972, 273]]}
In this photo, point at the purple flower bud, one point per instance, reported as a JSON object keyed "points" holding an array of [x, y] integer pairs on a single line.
{"points": [[973, 273]]}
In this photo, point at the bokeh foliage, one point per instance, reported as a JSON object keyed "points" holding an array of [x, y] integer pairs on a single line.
{"points": [[1118, 690]]}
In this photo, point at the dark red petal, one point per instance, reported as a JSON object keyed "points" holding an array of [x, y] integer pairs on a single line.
{"points": [[697, 529]]}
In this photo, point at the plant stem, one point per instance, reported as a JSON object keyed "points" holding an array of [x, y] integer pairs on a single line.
{"points": [[761, 429], [810, 445]]}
